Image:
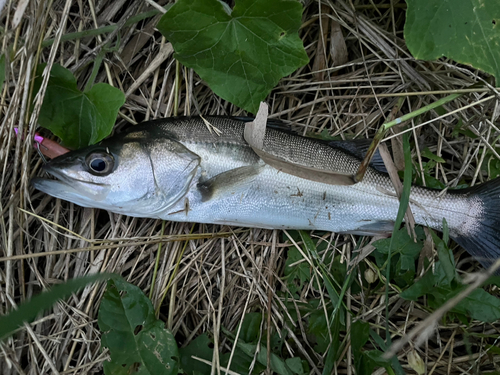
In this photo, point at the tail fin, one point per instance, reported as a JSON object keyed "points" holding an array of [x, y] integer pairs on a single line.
{"points": [[484, 243]]}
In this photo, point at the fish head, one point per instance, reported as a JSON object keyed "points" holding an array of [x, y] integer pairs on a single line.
{"points": [[133, 174]]}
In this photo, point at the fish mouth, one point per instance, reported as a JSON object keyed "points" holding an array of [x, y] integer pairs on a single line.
{"points": [[68, 188]]}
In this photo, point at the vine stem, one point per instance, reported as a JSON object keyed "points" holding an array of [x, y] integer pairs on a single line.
{"points": [[176, 87]]}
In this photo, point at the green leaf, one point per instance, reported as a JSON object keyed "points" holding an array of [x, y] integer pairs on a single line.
{"points": [[277, 341], [310, 248], [403, 204], [241, 363], [137, 341], [360, 333], [467, 31], [493, 167], [429, 155], [43, 301], [423, 286], [298, 274], [333, 353], [480, 305], [250, 327], [318, 327], [368, 361], [462, 129], [441, 285], [400, 243], [492, 350], [445, 271], [376, 355], [2, 71], [248, 353], [440, 110], [296, 365], [491, 164], [78, 118], [242, 54], [430, 181], [201, 347], [373, 358], [446, 234], [278, 365], [493, 280], [407, 178]]}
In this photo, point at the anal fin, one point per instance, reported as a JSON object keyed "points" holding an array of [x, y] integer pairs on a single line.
{"points": [[373, 228]]}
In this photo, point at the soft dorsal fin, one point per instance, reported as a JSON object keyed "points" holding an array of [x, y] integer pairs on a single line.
{"points": [[358, 148], [355, 147], [309, 173]]}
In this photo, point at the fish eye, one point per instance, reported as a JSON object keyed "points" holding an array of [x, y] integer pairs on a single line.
{"points": [[100, 163]]}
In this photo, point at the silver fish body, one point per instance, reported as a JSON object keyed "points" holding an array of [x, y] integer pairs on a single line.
{"points": [[181, 170]]}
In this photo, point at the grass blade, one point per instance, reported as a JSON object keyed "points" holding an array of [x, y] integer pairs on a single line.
{"points": [[43, 301]]}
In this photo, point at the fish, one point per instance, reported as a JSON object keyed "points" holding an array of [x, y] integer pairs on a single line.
{"points": [[181, 169]]}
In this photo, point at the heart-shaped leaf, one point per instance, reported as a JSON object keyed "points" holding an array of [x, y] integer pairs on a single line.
{"points": [[137, 341], [78, 118], [467, 31], [242, 54]]}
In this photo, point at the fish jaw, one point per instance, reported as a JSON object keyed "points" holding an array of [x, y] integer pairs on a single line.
{"points": [[69, 187], [69, 179], [65, 191]]}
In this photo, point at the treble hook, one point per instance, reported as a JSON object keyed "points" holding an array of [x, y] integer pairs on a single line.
{"points": [[37, 148]]}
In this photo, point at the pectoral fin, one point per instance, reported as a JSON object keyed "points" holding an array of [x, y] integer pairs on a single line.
{"points": [[231, 182]]}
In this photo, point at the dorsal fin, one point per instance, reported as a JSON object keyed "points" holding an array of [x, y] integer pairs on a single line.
{"points": [[355, 147], [358, 148]]}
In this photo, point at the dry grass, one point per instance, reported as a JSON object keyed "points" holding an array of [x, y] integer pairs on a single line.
{"points": [[222, 272]]}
